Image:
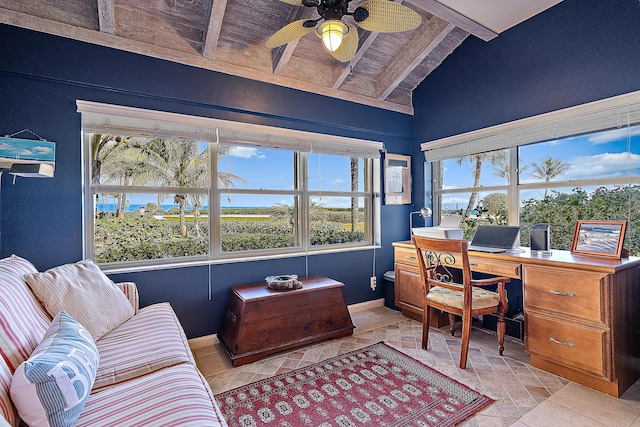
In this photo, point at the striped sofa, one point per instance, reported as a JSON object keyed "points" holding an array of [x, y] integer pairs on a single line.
{"points": [[146, 374]]}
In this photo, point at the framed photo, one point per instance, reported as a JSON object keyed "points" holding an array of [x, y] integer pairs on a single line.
{"points": [[397, 179], [601, 238]]}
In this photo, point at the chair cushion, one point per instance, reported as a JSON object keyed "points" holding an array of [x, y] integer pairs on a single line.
{"points": [[51, 387], [83, 291], [481, 298]]}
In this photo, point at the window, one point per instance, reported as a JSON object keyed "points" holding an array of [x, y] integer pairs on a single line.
{"points": [[565, 166], [161, 189]]}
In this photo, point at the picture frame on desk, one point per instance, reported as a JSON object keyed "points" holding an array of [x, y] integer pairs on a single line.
{"points": [[599, 238]]}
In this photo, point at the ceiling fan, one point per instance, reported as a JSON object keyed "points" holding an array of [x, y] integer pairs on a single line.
{"points": [[339, 37]]}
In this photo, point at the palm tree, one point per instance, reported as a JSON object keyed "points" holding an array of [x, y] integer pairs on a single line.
{"points": [[176, 164], [354, 188], [102, 145], [502, 168], [494, 157], [548, 169], [123, 166]]}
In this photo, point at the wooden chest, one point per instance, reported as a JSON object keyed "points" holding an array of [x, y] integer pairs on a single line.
{"points": [[260, 321]]}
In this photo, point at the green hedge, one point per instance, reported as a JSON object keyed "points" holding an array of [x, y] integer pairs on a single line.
{"points": [[135, 238]]}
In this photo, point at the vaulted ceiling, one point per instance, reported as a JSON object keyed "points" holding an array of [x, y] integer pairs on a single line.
{"points": [[229, 36]]}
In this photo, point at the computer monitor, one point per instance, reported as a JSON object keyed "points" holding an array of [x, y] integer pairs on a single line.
{"points": [[494, 238]]}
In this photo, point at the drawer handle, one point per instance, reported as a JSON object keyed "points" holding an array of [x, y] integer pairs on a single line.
{"points": [[562, 294], [473, 264], [568, 344], [410, 257]]}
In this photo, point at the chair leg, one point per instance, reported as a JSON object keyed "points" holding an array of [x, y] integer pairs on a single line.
{"points": [[501, 331], [452, 323], [426, 319], [466, 334]]}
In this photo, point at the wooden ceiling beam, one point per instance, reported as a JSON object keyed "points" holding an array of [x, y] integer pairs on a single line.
{"points": [[212, 31], [106, 16], [346, 70], [438, 9], [281, 55], [23, 20], [420, 47]]}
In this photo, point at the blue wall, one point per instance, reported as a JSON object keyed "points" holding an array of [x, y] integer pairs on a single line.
{"points": [[41, 77], [575, 52]]}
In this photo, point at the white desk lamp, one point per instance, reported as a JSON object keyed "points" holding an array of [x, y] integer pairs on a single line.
{"points": [[424, 212]]}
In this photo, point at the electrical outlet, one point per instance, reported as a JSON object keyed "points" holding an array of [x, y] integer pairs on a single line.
{"points": [[373, 282]]}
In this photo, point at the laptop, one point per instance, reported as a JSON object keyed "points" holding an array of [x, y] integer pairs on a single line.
{"points": [[494, 238]]}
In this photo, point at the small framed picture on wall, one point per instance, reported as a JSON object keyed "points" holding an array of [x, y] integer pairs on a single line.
{"points": [[397, 179]]}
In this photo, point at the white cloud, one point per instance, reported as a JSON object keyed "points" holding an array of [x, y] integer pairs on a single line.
{"points": [[613, 135], [449, 200], [337, 181], [245, 152], [42, 150], [605, 164]]}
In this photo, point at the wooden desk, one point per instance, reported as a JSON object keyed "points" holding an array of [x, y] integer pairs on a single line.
{"points": [[260, 321], [582, 313]]}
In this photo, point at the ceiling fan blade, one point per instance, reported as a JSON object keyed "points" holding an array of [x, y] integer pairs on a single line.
{"points": [[349, 46], [288, 33], [386, 16], [293, 2]]}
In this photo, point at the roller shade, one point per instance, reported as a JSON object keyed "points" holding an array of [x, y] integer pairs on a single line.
{"points": [[104, 118], [613, 113]]}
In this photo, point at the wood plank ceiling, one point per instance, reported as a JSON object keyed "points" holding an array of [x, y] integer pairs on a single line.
{"points": [[229, 36]]}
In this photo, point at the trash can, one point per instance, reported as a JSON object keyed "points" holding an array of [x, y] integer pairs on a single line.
{"points": [[389, 279]]}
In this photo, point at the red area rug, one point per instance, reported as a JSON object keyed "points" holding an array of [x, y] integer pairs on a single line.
{"points": [[373, 386]]}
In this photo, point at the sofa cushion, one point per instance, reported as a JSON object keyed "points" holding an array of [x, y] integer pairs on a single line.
{"points": [[130, 291], [150, 340], [174, 396], [51, 387], [85, 292], [8, 411], [23, 323]]}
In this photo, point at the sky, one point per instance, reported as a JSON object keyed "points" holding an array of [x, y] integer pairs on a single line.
{"points": [[272, 169], [614, 153], [605, 154]]}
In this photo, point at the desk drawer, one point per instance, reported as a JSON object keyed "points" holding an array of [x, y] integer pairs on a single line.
{"points": [[496, 267], [406, 256], [568, 292], [566, 343]]}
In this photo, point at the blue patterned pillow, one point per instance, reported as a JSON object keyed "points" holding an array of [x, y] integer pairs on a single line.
{"points": [[51, 387]]}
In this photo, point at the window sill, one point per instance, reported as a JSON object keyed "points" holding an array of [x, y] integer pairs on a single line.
{"points": [[170, 265]]}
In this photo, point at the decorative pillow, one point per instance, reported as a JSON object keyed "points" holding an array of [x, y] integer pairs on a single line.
{"points": [[83, 291], [52, 386]]}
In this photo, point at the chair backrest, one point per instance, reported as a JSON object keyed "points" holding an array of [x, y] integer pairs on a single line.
{"points": [[437, 258]]}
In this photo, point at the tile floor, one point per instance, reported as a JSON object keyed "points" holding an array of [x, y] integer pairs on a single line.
{"points": [[525, 396]]}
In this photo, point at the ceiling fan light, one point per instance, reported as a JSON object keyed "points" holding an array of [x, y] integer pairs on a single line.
{"points": [[332, 32]]}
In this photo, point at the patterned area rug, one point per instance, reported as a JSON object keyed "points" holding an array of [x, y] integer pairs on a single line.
{"points": [[373, 386]]}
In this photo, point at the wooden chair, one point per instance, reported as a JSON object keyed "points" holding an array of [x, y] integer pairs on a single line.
{"points": [[437, 258]]}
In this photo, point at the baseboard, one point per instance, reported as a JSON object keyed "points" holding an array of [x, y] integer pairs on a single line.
{"points": [[367, 305], [205, 341], [211, 340]]}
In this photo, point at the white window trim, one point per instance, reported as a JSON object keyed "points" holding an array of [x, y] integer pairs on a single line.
{"points": [[582, 118], [205, 128], [105, 118]]}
